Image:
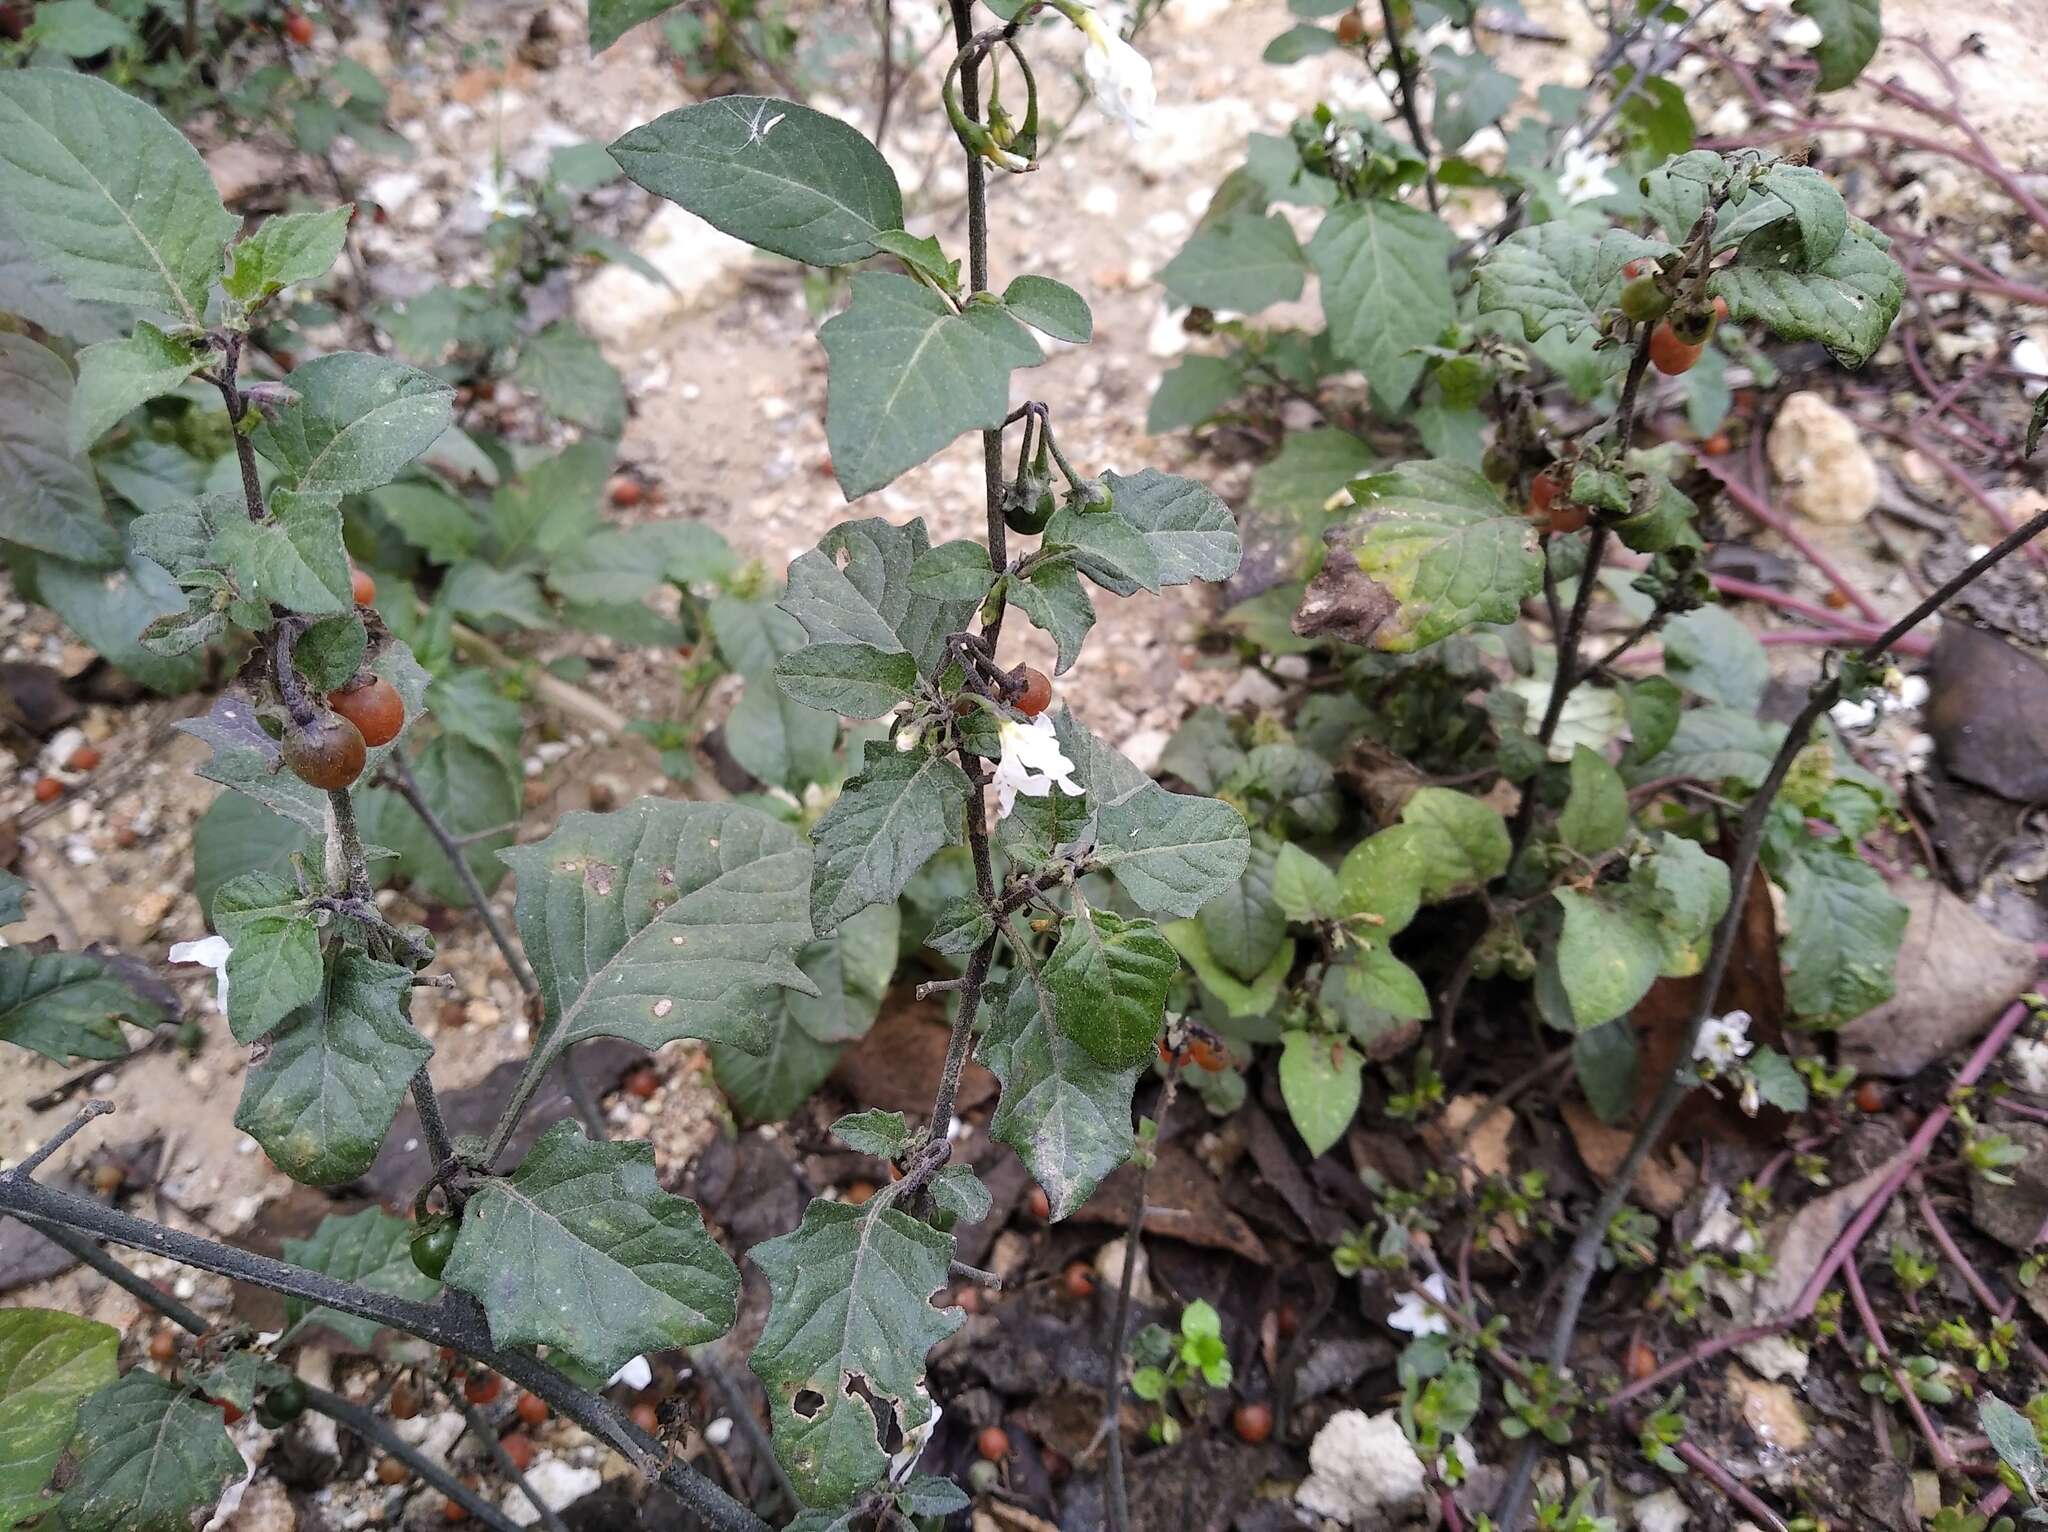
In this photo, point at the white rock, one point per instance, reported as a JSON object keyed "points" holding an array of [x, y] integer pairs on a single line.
{"points": [[2030, 1064], [1363, 1473], [1253, 688], [1662, 1512], [1109, 1270], [557, 1482], [622, 308], [1144, 748], [1818, 454]]}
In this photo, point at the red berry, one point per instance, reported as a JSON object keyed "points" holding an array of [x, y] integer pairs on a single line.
{"points": [[163, 1346], [298, 29], [1543, 493], [626, 491], [451, 1512], [84, 758], [229, 1412], [455, 1013], [481, 1387], [403, 1403], [1569, 517], [531, 1408], [857, 1193], [1252, 1422], [1716, 445], [1208, 1055], [519, 1448], [391, 1471], [1638, 1361], [362, 587], [1670, 355], [1870, 1096], [1079, 1279], [1641, 266], [1720, 309], [49, 790], [1351, 27], [373, 705], [1286, 1320], [1836, 601], [646, 1417], [327, 752], [993, 1444], [642, 1082], [1039, 1204], [968, 1299], [1037, 694]]}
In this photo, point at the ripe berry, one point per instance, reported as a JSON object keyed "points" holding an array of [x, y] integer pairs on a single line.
{"points": [[1208, 1055], [968, 1299], [993, 1444], [1870, 1096], [452, 1513], [642, 1082], [49, 790], [403, 1403], [646, 1417], [531, 1408], [163, 1346], [391, 1471], [298, 29], [1670, 355], [1037, 694], [1641, 266], [1639, 1361], [84, 758], [857, 1193], [1252, 1422], [1039, 1204], [1643, 299], [1350, 27], [373, 705], [326, 752], [1836, 601], [1078, 1279], [455, 1013], [1720, 309], [519, 1448], [626, 491], [1716, 445], [481, 1387], [362, 587], [1543, 492]]}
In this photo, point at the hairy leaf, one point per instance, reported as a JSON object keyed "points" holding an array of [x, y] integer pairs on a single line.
{"points": [[1243, 263], [1107, 978], [1847, 302], [67, 1005], [48, 499], [357, 420], [855, 587], [1555, 277], [1386, 288], [117, 375], [887, 822], [150, 1456], [1320, 1080], [372, 1249], [49, 1363]]}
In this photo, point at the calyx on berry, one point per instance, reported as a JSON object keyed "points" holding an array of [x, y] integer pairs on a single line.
{"points": [[1091, 496]]}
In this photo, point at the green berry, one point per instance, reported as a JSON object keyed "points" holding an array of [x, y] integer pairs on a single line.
{"points": [[432, 1246], [1498, 464], [282, 1404], [1644, 299], [1028, 505]]}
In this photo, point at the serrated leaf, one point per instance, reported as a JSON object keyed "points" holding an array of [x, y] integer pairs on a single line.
{"points": [[873, 1132], [322, 1096], [48, 499], [1850, 31], [850, 680], [1841, 941], [1847, 303], [357, 420], [849, 1303], [288, 248], [1052, 596], [1106, 548], [1243, 263], [1557, 277], [552, 506], [371, 1249], [955, 571], [889, 819], [1320, 1080], [1431, 550], [67, 1005], [117, 375], [855, 587], [777, 175], [49, 1363], [108, 194], [294, 557], [1461, 843], [1190, 531], [581, 1249], [274, 965], [1066, 1115], [907, 375], [1107, 978], [1386, 289], [150, 1456], [567, 370], [663, 920], [1050, 307], [1595, 816]]}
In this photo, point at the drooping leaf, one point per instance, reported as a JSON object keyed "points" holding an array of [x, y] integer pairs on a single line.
{"points": [[611, 20], [288, 248], [371, 1249], [110, 609], [1320, 1080], [48, 499], [778, 175], [908, 374], [49, 1363], [855, 587], [238, 835], [1604, 1059], [322, 1097], [1818, 216], [581, 1249], [1254, 997], [1244, 263], [1847, 302], [1554, 277], [67, 1005], [889, 819], [150, 1456], [1244, 925], [1052, 596], [1850, 31], [357, 420], [117, 375], [1107, 978], [109, 195], [1386, 288], [274, 965]]}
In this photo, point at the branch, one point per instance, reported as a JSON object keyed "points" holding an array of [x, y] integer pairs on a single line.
{"points": [[399, 771], [64, 1135], [1404, 70], [480, 1428]]}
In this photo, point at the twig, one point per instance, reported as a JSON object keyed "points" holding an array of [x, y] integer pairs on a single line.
{"points": [[64, 1135], [1732, 1489], [1852, 1278], [481, 1429], [399, 771], [1404, 70]]}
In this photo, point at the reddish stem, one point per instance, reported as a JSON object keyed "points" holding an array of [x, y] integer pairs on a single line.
{"points": [[1763, 511], [1732, 1489], [1952, 1253], [1913, 645], [1943, 1458], [1965, 480]]}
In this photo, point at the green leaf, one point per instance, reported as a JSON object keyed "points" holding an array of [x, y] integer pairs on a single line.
{"points": [[581, 1249], [1714, 653], [117, 375], [293, 557], [471, 788], [925, 256], [492, 598], [322, 1098], [1850, 31], [111, 608], [1067, 1116], [1841, 942], [109, 195], [274, 965], [1244, 925], [1299, 42], [1608, 955], [1241, 998], [1190, 531], [440, 525], [2016, 1441], [1246, 262], [49, 1363], [1595, 816], [1106, 548], [49, 501], [77, 29], [961, 926], [1374, 977], [889, 819], [1604, 1058], [1311, 469], [1678, 191], [1052, 308], [855, 587], [150, 1457], [67, 1005], [955, 571], [238, 835], [1052, 596], [851, 680], [663, 920], [851, 973], [753, 635], [850, 1295], [612, 19], [1303, 887], [1430, 551], [1383, 875], [779, 740], [1107, 978], [11, 891], [288, 248], [1470, 94], [372, 1249], [330, 652], [1461, 843], [1557, 277], [771, 1086], [1386, 289], [1320, 1080], [873, 1132], [567, 370], [357, 420], [1847, 302], [1816, 208], [959, 1191], [1653, 705], [1715, 744], [907, 375], [552, 506], [237, 1377], [1190, 392], [777, 175], [1778, 1082]]}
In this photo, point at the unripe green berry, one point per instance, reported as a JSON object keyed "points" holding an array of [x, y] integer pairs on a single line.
{"points": [[1643, 300]]}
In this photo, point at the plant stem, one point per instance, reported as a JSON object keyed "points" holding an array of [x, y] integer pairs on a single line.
{"points": [[399, 770], [1404, 70], [1852, 1278], [370, 1428], [481, 1429], [63, 1136], [1585, 1252], [1732, 1489], [1117, 1500]]}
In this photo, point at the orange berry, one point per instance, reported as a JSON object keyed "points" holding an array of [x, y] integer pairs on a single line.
{"points": [[373, 705], [1253, 1421], [481, 1387], [1834, 600], [1641, 266], [49, 790], [1870, 1096], [968, 1299], [298, 29], [455, 1013], [1208, 1055], [993, 1443], [626, 491], [452, 1512], [1543, 492], [1720, 309], [1079, 1279], [391, 1471], [531, 1408], [326, 752], [642, 1082], [1638, 1360], [857, 1193], [1716, 445], [362, 587], [1351, 27], [519, 1448], [1037, 694], [84, 758], [646, 1417], [1039, 1204], [1569, 517], [1670, 355], [163, 1346]]}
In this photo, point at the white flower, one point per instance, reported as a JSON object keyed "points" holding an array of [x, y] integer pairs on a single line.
{"points": [[1032, 764], [1417, 1317], [1119, 76], [1912, 691], [1584, 176], [1803, 34], [494, 196], [635, 1374], [1723, 1039], [213, 952], [1852, 716]]}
